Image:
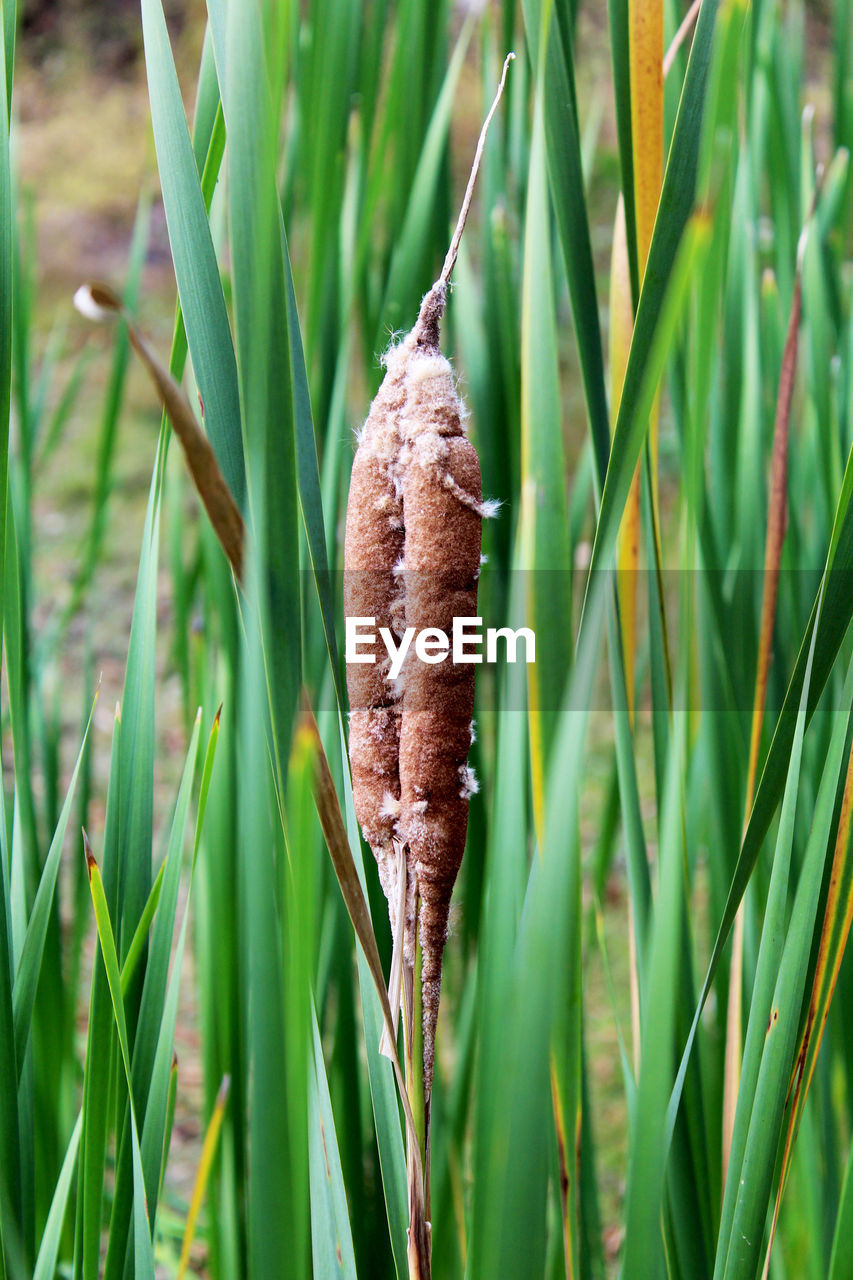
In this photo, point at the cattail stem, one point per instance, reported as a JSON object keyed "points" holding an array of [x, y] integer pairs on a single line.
{"points": [[419, 1254], [414, 1043], [450, 260]]}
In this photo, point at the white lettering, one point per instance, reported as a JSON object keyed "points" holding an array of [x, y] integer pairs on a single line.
{"points": [[396, 653], [432, 645], [512, 638], [462, 636], [353, 640]]}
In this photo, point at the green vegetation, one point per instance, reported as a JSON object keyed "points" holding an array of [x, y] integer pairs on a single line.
{"points": [[658, 864]]}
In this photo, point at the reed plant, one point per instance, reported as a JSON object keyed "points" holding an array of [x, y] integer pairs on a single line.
{"points": [[643, 1062]]}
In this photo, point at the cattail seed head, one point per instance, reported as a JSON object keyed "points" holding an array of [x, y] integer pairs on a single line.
{"points": [[412, 561]]}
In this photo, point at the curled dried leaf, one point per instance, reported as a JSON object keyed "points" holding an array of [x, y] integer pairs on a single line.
{"points": [[98, 303]]}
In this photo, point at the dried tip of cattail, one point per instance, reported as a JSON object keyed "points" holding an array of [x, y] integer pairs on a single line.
{"points": [[426, 330], [450, 260]]}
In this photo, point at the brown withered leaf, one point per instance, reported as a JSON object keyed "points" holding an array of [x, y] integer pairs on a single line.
{"points": [[98, 302]]}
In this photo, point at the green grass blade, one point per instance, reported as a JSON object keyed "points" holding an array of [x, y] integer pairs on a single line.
{"points": [[275, 1172], [781, 1026], [655, 341], [154, 1144], [674, 210], [100, 1047], [308, 476], [48, 1253], [822, 641], [135, 792], [9, 1124], [767, 968], [196, 270], [278, 1214], [208, 122], [142, 1251], [535, 976], [29, 966], [330, 1228], [643, 1239], [135, 815], [152, 1025], [171, 1102], [262, 323], [327, 81], [544, 516], [350, 875], [139, 942], [834, 934], [841, 1264], [386, 1112], [506, 875], [565, 167], [160, 948], [6, 271]]}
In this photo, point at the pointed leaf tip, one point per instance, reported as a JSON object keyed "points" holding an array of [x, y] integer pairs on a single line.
{"points": [[91, 863]]}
